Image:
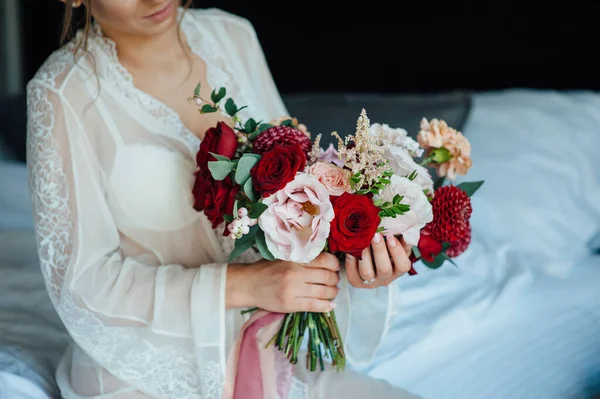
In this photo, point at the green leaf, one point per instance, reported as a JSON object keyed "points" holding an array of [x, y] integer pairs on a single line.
{"points": [[250, 237], [415, 250], [220, 157], [239, 249], [449, 259], [245, 164], [207, 109], [220, 169], [470, 187], [264, 126], [249, 190], [437, 262], [287, 122], [250, 125], [235, 208], [261, 243], [221, 95], [257, 209], [230, 107], [445, 246], [228, 218], [380, 229], [197, 90]]}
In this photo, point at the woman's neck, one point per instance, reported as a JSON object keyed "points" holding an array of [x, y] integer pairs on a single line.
{"points": [[157, 52]]}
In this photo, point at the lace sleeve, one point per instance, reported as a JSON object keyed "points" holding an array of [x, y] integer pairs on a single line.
{"points": [[144, 324]]}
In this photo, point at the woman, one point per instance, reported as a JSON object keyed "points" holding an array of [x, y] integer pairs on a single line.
{"points": [[137, 276]]}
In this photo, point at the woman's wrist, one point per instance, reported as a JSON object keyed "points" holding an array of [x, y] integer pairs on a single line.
{"points": [[238, 293]]}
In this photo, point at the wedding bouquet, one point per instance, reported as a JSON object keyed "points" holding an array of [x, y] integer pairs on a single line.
{"points": [[278, 192]]}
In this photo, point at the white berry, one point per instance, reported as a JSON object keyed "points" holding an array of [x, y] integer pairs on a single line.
{"points": [[245, 229], [252, 222], [242, 212], [245, 220], [232, 236], [198, 101]]}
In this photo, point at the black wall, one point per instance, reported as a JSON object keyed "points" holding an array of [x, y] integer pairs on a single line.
{"points": [[398, 46]]}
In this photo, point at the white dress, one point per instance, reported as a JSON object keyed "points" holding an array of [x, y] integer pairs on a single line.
{"points": [[136, 275]]}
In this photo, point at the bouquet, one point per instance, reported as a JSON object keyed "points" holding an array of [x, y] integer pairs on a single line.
{"points": [[274, 190]]}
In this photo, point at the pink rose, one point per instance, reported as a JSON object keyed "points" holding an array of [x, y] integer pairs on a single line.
{"points": [[335, 179], [297, 222]]}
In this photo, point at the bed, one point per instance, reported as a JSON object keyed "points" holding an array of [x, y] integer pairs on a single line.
{"points": [[518, 317]]}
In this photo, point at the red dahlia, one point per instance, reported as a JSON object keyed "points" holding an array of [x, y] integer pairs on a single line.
{"points": [[451, 213], [281, 135], [460, 246]]}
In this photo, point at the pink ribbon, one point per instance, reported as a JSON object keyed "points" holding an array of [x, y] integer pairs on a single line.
{"points": [[253, 371]]}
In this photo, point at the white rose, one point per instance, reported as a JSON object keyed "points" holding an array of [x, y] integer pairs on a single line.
{"points": [[410, 224], [403, 165], [396, 137]]}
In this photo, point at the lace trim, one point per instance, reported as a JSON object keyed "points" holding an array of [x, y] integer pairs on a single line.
{"points": [[218, 74]]}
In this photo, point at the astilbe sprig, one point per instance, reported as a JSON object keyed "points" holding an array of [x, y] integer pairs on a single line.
{"points": [[364, 158]]}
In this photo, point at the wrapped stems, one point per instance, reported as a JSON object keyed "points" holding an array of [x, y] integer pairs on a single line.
{"points": [[323, 339]]}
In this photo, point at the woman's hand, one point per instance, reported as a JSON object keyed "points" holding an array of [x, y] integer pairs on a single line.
{"points": [[386, 260], [284, 287]]}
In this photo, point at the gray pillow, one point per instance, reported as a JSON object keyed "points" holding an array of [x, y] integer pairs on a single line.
{"points": [[327, 112]]}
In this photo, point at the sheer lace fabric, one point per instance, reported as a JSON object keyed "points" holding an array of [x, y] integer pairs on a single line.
{"points": [[136, 275]]}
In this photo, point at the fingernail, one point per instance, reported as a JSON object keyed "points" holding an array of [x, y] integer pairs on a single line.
{"points": [[333, 305], [392, 241], [376, 238]]}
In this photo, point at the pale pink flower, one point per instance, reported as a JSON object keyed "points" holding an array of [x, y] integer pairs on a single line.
{"points": [[403, 165], [410, 224], [297, 221], [335, 179], [330, 156]]}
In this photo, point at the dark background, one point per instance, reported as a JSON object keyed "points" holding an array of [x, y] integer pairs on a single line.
{"points": [[378, 46]]}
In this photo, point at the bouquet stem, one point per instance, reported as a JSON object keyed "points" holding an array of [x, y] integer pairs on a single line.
{"points": [[323, 339]]}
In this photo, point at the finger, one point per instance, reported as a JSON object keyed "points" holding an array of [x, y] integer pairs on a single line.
{"points": [[383, 264], [365, 265], [314, 305], [351, 267], [322, 276], [407, 247], [399, 256], [319, 291], [325, 261]]}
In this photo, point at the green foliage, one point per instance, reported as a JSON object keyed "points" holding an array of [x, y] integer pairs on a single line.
{"points": [[197, 90], [220, 169], [261, 243], [470, 187], [249, 190], [257, 209], [392, 209], [245, 164]]}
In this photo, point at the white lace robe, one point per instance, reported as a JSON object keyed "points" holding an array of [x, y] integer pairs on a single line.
{"points": [[136, 275]]}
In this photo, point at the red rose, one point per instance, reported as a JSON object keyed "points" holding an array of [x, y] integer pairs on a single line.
{"points": [[277, 168], [355, 223], [219, 140], [429, 249], [216, 198]]}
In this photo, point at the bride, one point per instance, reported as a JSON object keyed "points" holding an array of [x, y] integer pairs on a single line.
{"points": [[137, 276]]}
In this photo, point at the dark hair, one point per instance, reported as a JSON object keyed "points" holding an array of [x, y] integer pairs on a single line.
{"points": [[70, 18]]}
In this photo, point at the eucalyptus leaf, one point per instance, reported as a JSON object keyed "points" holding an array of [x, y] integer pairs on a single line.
{"points": [[220, 169], [239, 249], [257, 209], [235, 208], [220, 157], [470, 187], [242, 172], [261, 243], [249, 190]]}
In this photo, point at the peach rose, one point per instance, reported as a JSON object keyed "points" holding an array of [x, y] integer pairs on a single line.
{"points": [[335, 179]]}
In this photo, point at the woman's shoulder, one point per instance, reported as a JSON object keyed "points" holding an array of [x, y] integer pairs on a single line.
{"points": [[56, 68], [228, 19]]}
